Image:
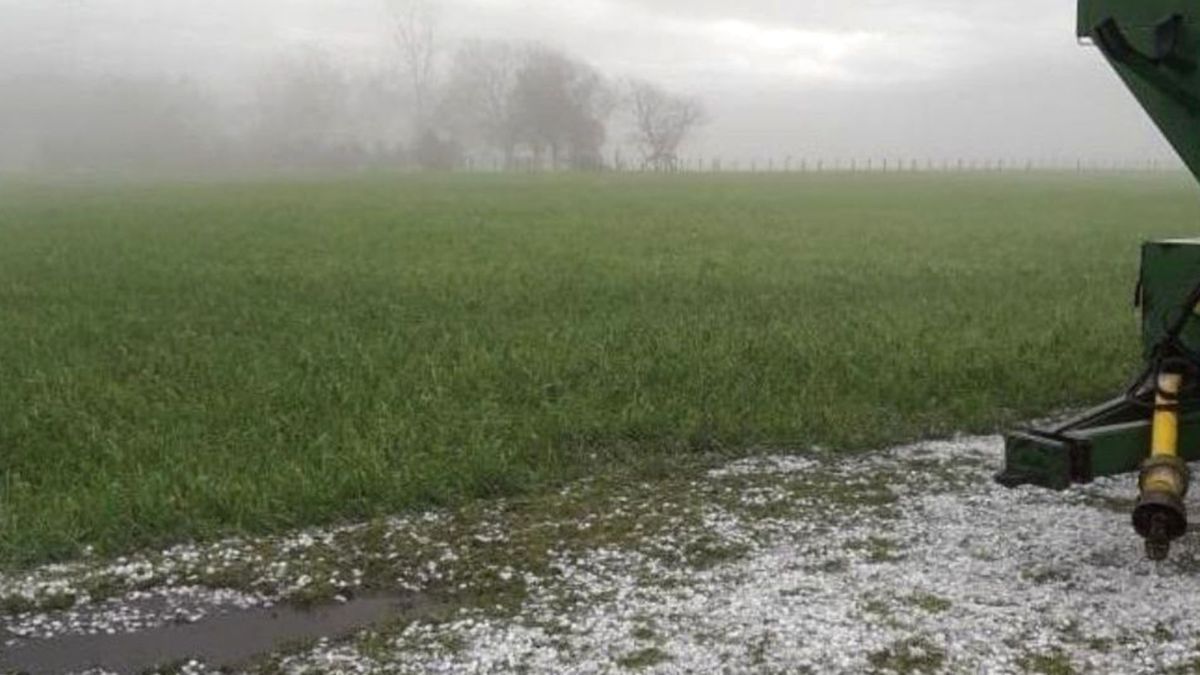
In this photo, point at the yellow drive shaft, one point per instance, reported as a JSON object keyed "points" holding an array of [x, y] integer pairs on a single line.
{"points": [[1160, 516]]}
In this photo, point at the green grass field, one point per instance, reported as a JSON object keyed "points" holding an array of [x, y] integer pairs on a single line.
{"points": [[190, 361]]}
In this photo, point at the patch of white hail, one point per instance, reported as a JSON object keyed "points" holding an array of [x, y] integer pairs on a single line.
{"points": [[911, 559], [964, 576], [757, 466]]}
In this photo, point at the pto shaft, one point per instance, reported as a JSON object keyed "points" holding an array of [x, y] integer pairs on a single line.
{"points": [[1160, 516]]}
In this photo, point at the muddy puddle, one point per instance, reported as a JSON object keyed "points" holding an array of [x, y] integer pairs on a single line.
{"points": [[226, 640]]}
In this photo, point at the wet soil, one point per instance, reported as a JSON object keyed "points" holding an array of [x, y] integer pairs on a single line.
{"points": [[227, 639]]}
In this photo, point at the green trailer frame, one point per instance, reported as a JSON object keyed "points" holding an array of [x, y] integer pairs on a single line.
{"points": [[1115, 438], [1109, 440]]}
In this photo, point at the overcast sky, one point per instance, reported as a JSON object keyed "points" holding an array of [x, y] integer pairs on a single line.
{"points": [[831, 78]]}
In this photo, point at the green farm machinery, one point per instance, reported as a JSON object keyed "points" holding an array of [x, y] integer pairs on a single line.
{"points": [[1154, 426]]}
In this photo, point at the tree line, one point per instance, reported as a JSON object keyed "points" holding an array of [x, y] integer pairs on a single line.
{"points": [[479, 103]]}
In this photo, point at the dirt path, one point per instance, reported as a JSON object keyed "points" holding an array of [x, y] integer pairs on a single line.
{"points": [[904, 561]]}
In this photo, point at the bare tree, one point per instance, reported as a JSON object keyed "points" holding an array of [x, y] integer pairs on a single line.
{"points": [[414, 30], [479, 101], [560, 107], [662, 122]]}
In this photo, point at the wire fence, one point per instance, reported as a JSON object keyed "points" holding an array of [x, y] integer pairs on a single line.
{"points": [[853, 165]]}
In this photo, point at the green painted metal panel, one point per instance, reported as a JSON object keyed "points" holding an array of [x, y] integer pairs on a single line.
{"points": [[1134, 13], [1031, 458], [1118, 449], [1122, 448], [1154, 45], [1170, 273]]}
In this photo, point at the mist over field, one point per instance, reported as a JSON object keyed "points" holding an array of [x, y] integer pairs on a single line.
{"points": [[129, 85], [597, 336]]}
